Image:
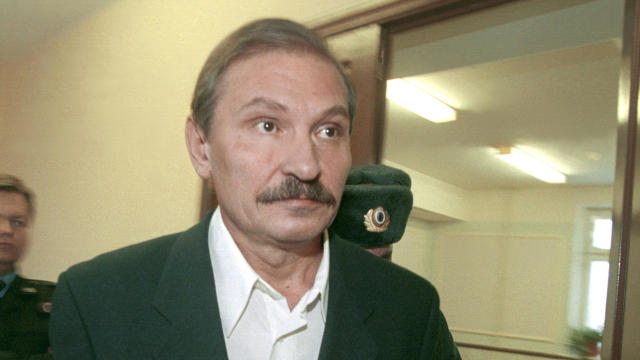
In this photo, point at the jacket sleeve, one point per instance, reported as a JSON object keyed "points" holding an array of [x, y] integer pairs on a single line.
{"points": [[447, 348], [68, 333], [438, 343], [5, 355]]}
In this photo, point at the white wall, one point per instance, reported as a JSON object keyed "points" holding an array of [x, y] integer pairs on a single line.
{"points": [[93, 118]]}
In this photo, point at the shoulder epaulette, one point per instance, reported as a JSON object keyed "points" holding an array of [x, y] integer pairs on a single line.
{"points": [[39, 283]]}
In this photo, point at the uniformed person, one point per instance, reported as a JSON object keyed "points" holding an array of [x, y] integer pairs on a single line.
{"points": [[24, 304]]}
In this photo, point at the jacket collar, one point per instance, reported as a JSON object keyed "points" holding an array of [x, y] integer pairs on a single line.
{"points": [[348, 311], [11, 299], [186, 298]]}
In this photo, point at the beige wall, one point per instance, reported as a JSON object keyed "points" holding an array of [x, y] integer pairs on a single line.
{"points": [[506, 269], [93, 120]]}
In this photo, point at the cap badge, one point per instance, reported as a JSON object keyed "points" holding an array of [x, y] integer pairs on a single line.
{"points": [[377, 220], [45, 307]]}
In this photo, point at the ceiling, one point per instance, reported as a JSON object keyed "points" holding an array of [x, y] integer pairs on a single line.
{"points": [[25, 23], [547, 82]]}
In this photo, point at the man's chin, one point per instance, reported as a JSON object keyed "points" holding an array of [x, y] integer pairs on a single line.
{"points": [[300, 233], [8, 253], [7, 261]]}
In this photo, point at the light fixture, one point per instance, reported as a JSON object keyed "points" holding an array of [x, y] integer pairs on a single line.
{"points": [[533, 165], [418, 101]]}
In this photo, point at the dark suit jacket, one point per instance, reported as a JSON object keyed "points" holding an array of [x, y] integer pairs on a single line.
{"points": [[156, 300]]}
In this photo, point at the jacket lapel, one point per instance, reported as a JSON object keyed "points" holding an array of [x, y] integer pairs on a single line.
{"points": [[346, 335], [9, 302], [186, 298]]}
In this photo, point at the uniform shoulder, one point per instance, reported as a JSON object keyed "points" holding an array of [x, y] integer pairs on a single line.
{"points": [[40, 289], [39, 283]]}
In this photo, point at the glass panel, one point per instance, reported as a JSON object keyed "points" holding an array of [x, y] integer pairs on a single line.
{"points": [[597, 298], [505, 246], [602, 233]]}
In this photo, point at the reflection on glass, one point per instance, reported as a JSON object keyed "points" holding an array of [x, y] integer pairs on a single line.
{"points": [[518, 262], [597, 298], [419, 101], [602, 233], [533, 165]]}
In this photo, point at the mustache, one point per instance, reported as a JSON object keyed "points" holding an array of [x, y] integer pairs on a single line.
{"points": [[292, 188]]}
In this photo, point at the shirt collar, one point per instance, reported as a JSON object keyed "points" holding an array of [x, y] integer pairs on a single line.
{"points": [[233, 288], [321, 283], [8, 279]]}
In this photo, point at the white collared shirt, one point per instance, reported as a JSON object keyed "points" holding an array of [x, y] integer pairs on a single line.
{"points": [[256, 320]]}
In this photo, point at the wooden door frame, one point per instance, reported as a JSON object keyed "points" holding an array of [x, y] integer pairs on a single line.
{"points": [[402, 14], [622, 316]]}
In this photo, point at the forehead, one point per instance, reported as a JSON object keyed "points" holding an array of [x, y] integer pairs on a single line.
{"points": [[279, 57], [13, 203], [276, 71]]}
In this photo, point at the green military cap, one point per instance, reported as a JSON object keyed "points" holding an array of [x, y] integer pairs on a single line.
{"points": [[375, 206]]}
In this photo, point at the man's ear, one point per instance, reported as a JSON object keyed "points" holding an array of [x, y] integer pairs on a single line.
{"points": [[197, 146]]}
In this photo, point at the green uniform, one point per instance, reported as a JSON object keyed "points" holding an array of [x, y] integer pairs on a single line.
{"points": [[24, 319]]}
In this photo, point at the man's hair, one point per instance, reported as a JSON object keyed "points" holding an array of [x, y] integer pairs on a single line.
{"points": [[253, 38], [10, 183]]}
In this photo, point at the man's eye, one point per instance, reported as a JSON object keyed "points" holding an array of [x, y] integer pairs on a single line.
{"points": [[18, 223], [328, 132], [266, 126]]}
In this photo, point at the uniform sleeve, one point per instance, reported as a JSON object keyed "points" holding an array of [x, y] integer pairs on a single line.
{"points": [[67, 331]]}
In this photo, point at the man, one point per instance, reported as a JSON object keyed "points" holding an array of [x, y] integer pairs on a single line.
{"points": [[259, 278], [24, 304]]}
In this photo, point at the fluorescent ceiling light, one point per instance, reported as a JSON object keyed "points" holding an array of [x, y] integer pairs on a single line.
{"points": [[531, 164], [417, 100]]}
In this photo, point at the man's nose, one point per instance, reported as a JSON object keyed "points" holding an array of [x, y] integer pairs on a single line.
{"points": [[5, 226], [301, 159]]}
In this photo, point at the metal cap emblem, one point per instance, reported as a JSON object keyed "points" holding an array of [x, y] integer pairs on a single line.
{"points": [[377, 220]]}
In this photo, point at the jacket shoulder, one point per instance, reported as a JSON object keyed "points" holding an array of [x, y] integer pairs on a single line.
{"points": [[368, 273], [397, 304], [140, 259]]}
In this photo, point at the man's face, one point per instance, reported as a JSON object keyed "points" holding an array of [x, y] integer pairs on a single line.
{"points": [[14, 231], [279, 148]]}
